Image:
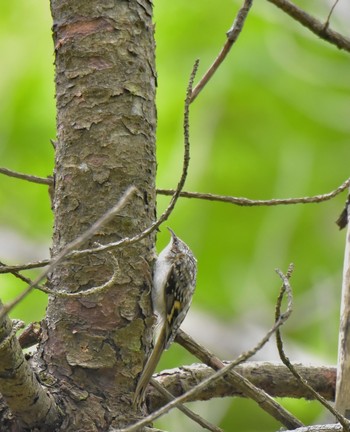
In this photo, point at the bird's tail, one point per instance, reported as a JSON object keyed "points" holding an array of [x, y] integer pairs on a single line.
{"points": [[150, 367]]}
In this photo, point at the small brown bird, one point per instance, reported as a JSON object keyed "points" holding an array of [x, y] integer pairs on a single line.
{"points": [[174, 282]]}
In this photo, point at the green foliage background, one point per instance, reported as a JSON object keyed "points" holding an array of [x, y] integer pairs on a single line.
{"points": [[273, 122]]}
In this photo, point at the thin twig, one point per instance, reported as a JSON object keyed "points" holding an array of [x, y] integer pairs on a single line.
{"points": [[189, 413], [246, 202], [232, 36], [24, 279], [246, 387], [56, 293], [326, 24], [17, 274], [27, 177], [72, 246], [15, 268], [240, 201], [313, 24], [85, 293], [190, 394], [287, 289], [93, 290]]}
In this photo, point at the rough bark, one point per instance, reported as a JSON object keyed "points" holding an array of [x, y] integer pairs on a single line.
{"points": [[30, 404], [105, 90], [275, 379]]}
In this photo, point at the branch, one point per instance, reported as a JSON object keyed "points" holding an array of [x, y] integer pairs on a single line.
{"points": [[26, 398], [93, 290], [241, 383], [15, 268], [18, 275], [89, 291], [283, 384], [303, 382], [195, 417], [232, 36], [326, 24], [33, 179], [308, 21], [30, 336], [246, 202]]}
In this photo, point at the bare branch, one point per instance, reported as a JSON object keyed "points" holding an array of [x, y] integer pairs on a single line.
{"points": [[246, 202], [30, 336], [195, 417], [287, 289], [16, 274], [241, 383], [15, 268], [84, 293], [308, 21], [24, 279], [31, 178], [240, 201], [326, 24], [232, 36], [284, 384], [87, 292]]}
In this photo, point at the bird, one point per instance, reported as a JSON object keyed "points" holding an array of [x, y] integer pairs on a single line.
{"points": [[174, 283]]}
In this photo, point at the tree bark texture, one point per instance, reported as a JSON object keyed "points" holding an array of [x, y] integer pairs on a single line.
{"points": [[106, 119], [274, 378], [30, 404]]}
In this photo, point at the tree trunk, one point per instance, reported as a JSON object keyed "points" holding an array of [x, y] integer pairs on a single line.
{"points": [[105, 85]]}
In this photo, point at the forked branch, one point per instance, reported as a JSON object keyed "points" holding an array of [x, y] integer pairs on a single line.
{"points": [[320, 29]]}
